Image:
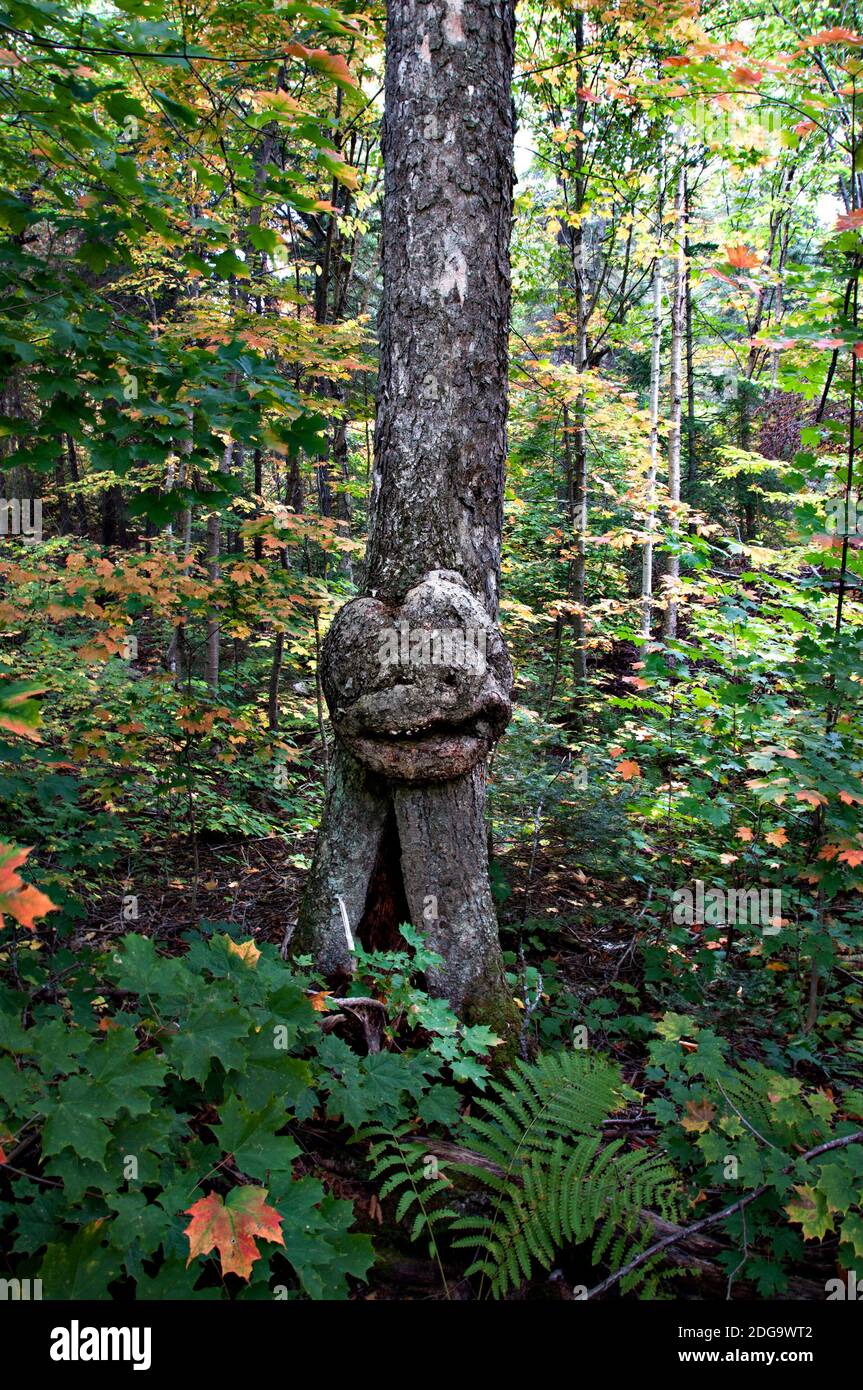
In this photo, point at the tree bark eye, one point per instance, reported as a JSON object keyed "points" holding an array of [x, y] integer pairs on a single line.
{"points": [[418, 692]]}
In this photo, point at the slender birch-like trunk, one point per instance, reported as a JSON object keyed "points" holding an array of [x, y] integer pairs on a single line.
{"points": [[650, 499], [678, 312]]}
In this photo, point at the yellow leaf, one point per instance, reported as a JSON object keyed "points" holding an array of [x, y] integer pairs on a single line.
{"points": [[246, 950]]}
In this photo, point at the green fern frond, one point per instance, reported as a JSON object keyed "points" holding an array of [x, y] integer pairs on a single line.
{"points": [[557, 1182]]}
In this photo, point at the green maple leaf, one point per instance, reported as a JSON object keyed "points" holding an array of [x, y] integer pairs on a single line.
{"points": [[210, 1035], [80, 1268], [250, 1135], [809, 1208], [851, 1233]]}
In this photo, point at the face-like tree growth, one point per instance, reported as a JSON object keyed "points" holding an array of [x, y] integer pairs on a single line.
{"points": [[415, 672]]}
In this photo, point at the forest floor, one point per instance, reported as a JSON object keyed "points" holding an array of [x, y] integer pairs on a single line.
{"points": [[584, 929]]}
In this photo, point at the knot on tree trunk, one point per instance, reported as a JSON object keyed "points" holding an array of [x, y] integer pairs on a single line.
{"points": [[418, 691]]}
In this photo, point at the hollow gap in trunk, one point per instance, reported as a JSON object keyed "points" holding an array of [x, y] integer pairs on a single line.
{"points": [[386, 905]]}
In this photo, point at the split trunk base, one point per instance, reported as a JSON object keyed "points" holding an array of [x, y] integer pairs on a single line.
{"points": [[393, 852]]}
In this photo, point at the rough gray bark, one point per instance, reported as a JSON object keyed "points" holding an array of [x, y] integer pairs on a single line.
{"points": [[440, 434], [415, 672]]}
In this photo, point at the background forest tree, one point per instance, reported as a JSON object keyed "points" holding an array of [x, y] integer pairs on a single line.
{"points": [[190, 262]]}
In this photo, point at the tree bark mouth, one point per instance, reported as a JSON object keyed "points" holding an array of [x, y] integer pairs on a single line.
{"points": [[434, 754]]}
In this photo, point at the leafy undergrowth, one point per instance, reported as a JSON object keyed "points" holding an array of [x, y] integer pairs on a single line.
{"points": [[195, 1118]]}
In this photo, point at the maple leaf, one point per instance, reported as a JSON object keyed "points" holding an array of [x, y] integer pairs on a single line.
{"points": [[332, 63], [777, 837], [813, 798], [744, 834], [17, 898], [231, 1227], [19, 713], [319, 1001], [809, 1208], [282, 99], [747, 77], [849, 221], [835, 35], [246, 950], [850, 797], [628, 769], [741, 257], [699, 1115], [854, 857]]}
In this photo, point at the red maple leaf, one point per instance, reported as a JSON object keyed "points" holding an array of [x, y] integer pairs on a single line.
{"points": [[849, 221], [836, 35], [231, 1226], [17, 898]]}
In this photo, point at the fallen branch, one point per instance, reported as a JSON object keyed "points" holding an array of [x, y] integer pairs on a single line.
{"points": [[683, 1232]]}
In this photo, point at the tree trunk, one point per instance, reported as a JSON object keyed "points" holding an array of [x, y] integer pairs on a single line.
{"points": [[403, 835], [650, 501], [678, 304], [691, 465], [214, 523], [580, 440]]}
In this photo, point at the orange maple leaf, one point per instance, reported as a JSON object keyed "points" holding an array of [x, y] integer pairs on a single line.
{"points": [[231, 1227], [747, 77], [777, 837], [17, 898], [628, 769], [744, 834], [813, 798], [849, 221], [332, 63], [854, 857], [835, 35], [741, 257]]}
